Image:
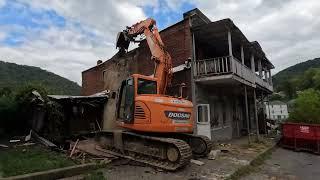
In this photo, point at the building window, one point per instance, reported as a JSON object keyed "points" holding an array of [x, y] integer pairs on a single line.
{"points": [[202, 114]]}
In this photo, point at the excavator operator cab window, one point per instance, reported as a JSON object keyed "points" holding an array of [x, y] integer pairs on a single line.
{"points": [[126, 104], [147, 86]]}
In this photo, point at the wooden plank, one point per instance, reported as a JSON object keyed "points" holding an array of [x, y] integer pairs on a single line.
{"points": [[222, 62], [42, 140]]}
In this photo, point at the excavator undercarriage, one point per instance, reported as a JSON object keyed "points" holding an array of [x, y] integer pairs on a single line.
{"points": [[169, 153]]}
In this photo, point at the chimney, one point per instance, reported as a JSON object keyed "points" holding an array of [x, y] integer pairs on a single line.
{"points": [[99, 62]]}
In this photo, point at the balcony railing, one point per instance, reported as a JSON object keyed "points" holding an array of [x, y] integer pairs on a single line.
{"points": [[213, 66], [263, 83], [227, 65]]}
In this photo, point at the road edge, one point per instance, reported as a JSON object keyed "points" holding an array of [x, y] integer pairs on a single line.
{"points": [[258, 160]]}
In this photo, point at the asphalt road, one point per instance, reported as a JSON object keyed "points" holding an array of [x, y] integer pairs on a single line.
{"points": [[287, 164]]}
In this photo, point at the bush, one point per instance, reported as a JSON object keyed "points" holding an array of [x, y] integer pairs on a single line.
{"points": [[307, 107], [16, 109]]}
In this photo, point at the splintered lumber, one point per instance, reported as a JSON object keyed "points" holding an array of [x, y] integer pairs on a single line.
{"points": [[42, 140], [74, 147], [4, 146]]}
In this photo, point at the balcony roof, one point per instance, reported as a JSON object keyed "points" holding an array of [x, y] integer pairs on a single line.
{"points": [[256, 46], [217, 31]]}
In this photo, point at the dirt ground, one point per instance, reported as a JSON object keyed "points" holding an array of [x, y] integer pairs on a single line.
{"points": [[286, 164], [232, 156]]}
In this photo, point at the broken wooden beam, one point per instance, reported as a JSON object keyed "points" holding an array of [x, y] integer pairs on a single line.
{"points": [[42, 140]]}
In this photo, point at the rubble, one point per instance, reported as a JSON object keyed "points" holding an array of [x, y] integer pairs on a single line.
{"points": [[3, 146], [42, 140], [213, 154], [14, 140], [27, 144], [197, 162]]}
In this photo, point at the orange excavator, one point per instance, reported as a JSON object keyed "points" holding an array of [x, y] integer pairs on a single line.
{"points": [[158, 128]]}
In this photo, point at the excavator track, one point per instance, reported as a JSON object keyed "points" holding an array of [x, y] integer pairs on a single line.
{"points": [[166, 153], [200, 145]]}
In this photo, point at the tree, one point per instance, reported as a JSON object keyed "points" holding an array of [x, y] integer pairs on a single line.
{"points": [[307, 107], [289, 89]]}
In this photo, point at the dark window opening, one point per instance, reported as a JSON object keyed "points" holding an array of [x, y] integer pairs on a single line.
{"points": [[147, 86]]}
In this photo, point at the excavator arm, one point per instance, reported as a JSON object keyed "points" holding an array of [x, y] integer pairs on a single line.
{"points": [[161, 57]]}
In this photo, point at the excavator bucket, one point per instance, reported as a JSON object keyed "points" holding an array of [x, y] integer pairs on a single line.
{"points": [[122, 41]]}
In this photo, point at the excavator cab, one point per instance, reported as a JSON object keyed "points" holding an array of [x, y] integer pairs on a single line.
{"points": [[126, 100], [130, 88]]}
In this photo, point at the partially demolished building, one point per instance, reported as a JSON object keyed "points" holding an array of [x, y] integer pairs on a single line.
{"points": [[226, 76]]}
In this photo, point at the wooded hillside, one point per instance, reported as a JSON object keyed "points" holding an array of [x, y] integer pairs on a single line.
{"points": [[294, 72], [14, 76]]}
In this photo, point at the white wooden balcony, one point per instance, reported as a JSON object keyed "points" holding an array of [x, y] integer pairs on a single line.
{"points": [[227, 67]]}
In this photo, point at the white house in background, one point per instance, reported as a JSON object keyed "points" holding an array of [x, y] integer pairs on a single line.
{"points": [[277, 110]]}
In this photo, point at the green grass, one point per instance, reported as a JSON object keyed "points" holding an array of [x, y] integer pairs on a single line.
{"points": [[24, 160], [95, 175]]}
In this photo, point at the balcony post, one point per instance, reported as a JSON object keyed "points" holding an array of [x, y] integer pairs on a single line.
{"points": [[270, 77], [260, 68], [230, 50], [229, 43], [242, 54], [247, 112], [265, 74], [256, 113], [253, 68]]}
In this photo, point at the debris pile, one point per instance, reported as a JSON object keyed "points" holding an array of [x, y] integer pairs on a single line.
{"points": [[89, 150]]}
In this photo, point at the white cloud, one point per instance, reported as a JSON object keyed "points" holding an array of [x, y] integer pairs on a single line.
{"points": [[69, 50], [2, 35], [287, 30], [65, 52], [2, 3]]}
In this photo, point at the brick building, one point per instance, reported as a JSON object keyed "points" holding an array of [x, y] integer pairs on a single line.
{"points": [[227, 79]]}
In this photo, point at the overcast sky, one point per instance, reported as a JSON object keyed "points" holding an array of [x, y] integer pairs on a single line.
{"points": [[67, 37]]}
